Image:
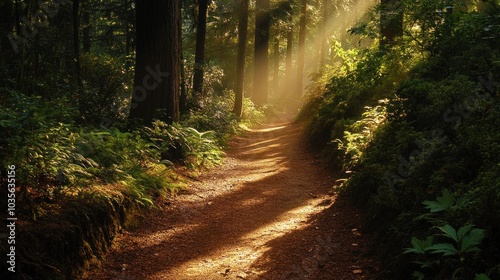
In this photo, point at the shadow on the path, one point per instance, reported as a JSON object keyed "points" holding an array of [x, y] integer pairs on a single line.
{"points": [[330, 247], [253, 205]]}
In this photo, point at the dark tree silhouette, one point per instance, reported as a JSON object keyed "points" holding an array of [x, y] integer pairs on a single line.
{"points": [[276, 64], [322, 34], [199, 61], [391, 21], [301, 53], [261, 62], [76, 41], [240, 61], [157, 68], [6, 24]]}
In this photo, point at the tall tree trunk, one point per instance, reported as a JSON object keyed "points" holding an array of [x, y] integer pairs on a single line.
{"points": [[128, 25], [183, 93], [261, 61], [301, 54], [157, 70], [323, 40], [240, 60], [86, 44], [76, 41], [391, 22], [276, 68], [6, 25], [199, 61], [288, 59]]}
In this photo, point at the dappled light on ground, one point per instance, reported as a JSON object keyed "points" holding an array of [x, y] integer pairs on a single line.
{"points": [[237, 220]]}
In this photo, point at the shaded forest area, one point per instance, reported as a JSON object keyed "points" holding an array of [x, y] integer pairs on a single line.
{"points": [[109, 107]]}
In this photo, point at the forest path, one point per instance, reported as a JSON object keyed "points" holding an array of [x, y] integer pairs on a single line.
{"points": [[266, 213]]}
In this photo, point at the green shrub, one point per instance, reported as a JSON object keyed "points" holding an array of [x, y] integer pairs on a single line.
{"points": [[104, 98], [440, 133], [196, 148]]}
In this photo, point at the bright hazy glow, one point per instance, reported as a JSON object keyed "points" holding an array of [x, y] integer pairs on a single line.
{"points": [[343, 15]]}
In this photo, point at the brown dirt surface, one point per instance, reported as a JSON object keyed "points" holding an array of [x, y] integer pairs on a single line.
{"points": [[268, 212]]}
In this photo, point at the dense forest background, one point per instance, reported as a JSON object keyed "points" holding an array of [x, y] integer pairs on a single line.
{"points": [[100, 100]]}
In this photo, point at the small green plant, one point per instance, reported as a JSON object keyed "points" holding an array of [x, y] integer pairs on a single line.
{"points": [[175, 141], [445, 202], [455, 246], [462, 241], [360, 134]]}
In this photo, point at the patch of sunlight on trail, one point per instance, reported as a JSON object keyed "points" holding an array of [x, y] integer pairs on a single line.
{"points": [[240, 255], [159, 237], [263, 130]]}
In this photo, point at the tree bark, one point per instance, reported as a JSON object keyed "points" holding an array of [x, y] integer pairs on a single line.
{"points": [[288, 59], [6, 25], [240, 60], [86, 44], [76, 41], [276, 68], [157, 70], [301, 53], [183, 108], [323, 41], [199, 61], [391, 22], [261, 61]]}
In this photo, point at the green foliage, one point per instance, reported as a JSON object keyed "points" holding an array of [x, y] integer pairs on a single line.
{"points": [[59, 158], [214, 113], [196, 148], [104, 98], [420, 246], [458, 244], [481, 276], [439, 138], [361, 133], [445, 202]]}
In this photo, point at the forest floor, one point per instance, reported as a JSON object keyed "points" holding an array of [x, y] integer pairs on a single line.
{"points": [[268, 212]]}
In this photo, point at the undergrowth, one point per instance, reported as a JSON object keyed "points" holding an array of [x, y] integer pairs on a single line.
{"points": [[418, 124], [59, 158]]}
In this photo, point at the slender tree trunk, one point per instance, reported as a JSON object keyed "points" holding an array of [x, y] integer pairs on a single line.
{"points": [[276, 68], [301, 53], [323, 40], [391, 22], [157, 70], [183, 94], [288, 86], [6, 24], [22, 54], [240, 60], [261, 61], [288, 59], [86, 44], [199, 61], [76, 41]]}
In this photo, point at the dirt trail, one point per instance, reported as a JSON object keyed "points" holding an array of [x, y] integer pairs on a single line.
{"points": [[266, 213]]}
